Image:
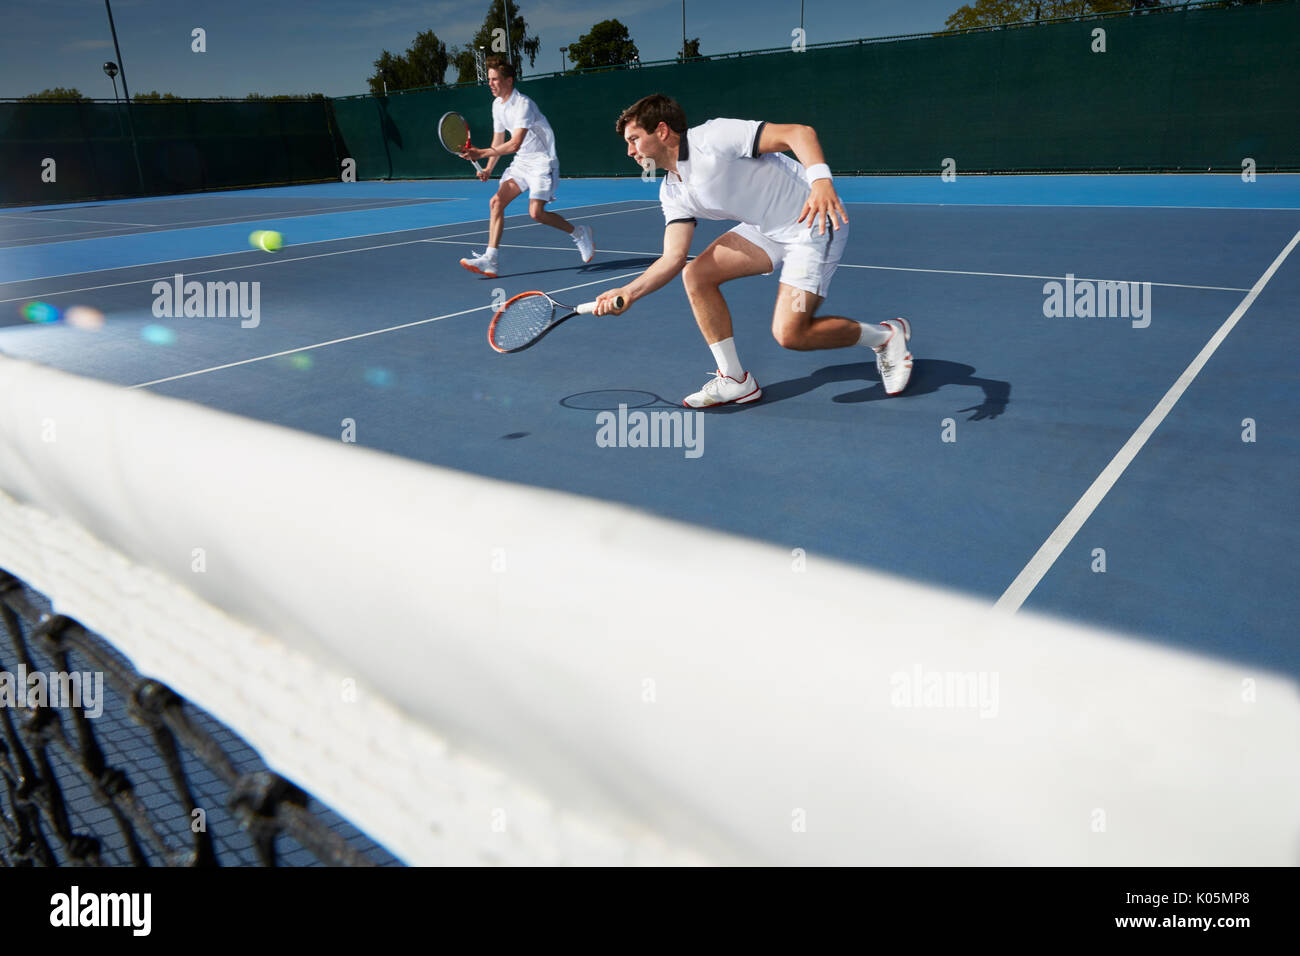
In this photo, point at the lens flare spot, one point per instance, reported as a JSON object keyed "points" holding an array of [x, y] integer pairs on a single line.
{"points": [[300, 361], [379, 377], [41, 312], [158, 335], [84, 317]]}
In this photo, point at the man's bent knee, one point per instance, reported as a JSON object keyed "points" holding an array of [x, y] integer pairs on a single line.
{"points": [[790, 337], [695, 277]]}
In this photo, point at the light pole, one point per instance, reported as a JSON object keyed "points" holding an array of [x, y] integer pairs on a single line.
{"points": [[564, 58], [800, 17], [110, 70], [683, 30], [126, 95]]}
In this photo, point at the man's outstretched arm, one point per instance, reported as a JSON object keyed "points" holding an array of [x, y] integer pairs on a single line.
{"points": [[677, 247]]}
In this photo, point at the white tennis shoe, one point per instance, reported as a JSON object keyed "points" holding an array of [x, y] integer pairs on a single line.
{"points": [[581, 237], [724, 390], [893, 360], [480, 264]]}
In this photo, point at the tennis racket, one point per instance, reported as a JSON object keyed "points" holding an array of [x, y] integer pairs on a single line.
{"points": [[454, 133], [523, 320]]}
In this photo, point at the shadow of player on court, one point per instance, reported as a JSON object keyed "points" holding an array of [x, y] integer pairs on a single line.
{"points": [[612, 265], [928, 376]]}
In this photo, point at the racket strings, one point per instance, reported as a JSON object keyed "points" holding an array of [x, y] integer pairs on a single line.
{"points": [[454, 132], [522, 320]]}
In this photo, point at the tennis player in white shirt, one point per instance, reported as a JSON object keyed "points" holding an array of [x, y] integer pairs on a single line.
{"points": [[790, 217], [519, 127]]}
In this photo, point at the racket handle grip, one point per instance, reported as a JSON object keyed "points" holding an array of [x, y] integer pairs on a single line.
{"points": [[589, 307]]}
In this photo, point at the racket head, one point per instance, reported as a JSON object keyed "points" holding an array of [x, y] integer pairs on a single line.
{"points": [[453, 132], [522, 320]]}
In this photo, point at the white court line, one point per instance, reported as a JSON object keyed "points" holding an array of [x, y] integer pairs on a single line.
{"points": [[97, 222], [521, 245], [314, 242], [1046, 556], [185, 224], [1014, 275], [362, 335], [256, 265], [1055, 205], [845, 265], [532, 225]]}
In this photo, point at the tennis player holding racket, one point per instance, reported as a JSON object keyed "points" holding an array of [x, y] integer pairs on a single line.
{"points": [[789, 217], [519, 127]]}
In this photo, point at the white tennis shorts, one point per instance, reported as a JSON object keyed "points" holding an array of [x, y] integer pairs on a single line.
{"points": [[536, 177], [807, 261]]}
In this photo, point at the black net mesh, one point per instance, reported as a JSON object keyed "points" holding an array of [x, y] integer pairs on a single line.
{"points": [[110, 768]]}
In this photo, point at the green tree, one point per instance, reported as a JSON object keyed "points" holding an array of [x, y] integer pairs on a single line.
{"points": [[424, 63], [607, 44], [991, 13], [292, 97], [521, 43], [58, 93], [153, 96], [692, 50]]}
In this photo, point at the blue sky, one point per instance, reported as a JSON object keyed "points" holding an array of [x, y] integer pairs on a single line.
{"points": [[328, 46]]}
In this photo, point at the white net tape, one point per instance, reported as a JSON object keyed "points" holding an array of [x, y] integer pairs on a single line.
{"points": [[476, 672]]}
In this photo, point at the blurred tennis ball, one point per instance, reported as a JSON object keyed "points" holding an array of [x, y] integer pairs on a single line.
{"points": [[266, 240]]}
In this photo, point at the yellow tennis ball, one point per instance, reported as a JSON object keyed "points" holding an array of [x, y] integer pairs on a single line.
{"points": [[266, 240]]}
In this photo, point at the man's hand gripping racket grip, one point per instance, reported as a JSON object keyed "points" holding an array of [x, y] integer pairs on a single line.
{"points": [[589, 307]]}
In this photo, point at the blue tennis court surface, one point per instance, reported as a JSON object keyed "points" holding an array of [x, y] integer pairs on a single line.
{"points": [[365, 321]]}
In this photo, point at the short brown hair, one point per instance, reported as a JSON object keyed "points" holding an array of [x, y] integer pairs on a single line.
{"points": [[502, 67], [649, 111]]}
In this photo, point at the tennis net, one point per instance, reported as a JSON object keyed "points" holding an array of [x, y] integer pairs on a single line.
{"points": [[475, 672], [103, 766]]}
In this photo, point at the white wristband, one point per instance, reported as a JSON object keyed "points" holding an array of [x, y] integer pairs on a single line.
{"points": [[820, 171]]}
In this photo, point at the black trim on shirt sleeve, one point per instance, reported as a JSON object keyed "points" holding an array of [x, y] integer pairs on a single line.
{"points": [[684, 219], [757, 136]]}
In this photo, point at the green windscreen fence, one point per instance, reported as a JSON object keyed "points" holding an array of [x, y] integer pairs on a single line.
{"points": [[1193, 89], [1167, 89], [62, 152]]}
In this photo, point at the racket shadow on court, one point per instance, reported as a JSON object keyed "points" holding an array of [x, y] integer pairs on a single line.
{"points": [[928, 377], [609, 399]]}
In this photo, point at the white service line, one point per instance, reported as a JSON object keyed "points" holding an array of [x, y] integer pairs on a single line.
{"points": [[1046, 556], [362, 335], [156, 227], [845, 265], [1014, 275], [531, 225], [204, 272], [521, 245], [97, 222], [313, 242]]}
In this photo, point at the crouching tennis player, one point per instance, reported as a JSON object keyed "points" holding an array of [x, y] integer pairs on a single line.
{"points": [[733, 169]]}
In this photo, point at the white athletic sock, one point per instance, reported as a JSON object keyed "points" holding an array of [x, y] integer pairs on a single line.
{"points": [[873, 335], [724, 353], [491, 254]]}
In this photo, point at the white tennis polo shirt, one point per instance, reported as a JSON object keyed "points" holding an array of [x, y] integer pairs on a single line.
{"points": [[520, 112], [720, 175]]}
